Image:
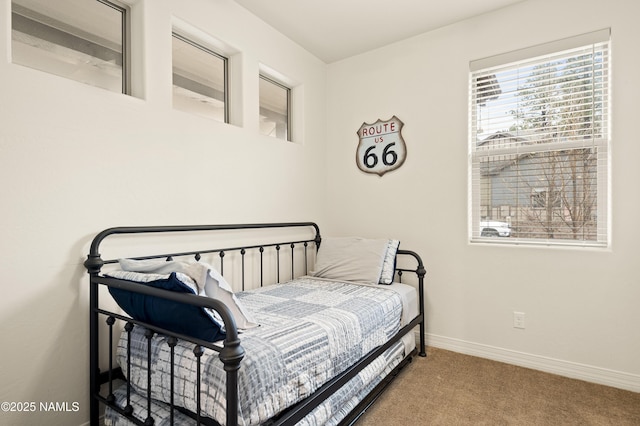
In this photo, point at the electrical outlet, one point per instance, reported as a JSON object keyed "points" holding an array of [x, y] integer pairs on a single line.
{"points": [[518, 319]]}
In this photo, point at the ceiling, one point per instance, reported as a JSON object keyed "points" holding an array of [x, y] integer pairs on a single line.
{"points": [[336, 29]]}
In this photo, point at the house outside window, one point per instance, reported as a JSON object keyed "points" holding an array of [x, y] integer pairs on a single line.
{"points": [[539, 148], [543, 198], [275, 108], [78, 39]]}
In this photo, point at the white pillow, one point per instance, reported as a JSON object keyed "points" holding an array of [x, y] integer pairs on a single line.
{"points": [[351, 259], [209, 281], [389, 265]]}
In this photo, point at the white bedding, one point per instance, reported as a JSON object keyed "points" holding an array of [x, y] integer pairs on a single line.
{"points": [[310, 330], [410, 310]]}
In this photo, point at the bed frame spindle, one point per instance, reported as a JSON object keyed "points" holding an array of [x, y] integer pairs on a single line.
{"points": [[172, 342], [292, 262], [278, 262], [149, 335], [261, 266], [198, 351], [110, 321], [242, 253], [128, 409]]}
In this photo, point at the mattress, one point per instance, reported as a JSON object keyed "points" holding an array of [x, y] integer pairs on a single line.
{"points": [[310, 330]]}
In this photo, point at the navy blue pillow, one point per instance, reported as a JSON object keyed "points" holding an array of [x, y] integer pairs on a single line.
{"points": [[173, 316]]}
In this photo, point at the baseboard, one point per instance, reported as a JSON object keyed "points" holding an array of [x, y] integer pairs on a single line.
{"points": [[603, 376]]}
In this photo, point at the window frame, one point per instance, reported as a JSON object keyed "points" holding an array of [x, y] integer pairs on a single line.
{"points": [[541, 196], [289, 114], [51, 25], [125, 10], [597, 144], [192, 41]]}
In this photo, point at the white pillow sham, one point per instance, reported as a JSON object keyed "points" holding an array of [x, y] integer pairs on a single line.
{"points": [[389, 265], [351, 259]]}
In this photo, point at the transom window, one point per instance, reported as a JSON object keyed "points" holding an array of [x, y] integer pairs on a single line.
{"points": [[275, 107], [77, 39], [539, 148], [199, 79]]}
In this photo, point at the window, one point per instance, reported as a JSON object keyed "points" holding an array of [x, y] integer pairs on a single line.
{"points": [[275, 107], [199, 79], [77, 39], [543, 198], [539, 148]]}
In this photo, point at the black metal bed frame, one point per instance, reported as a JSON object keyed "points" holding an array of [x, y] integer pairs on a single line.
{"points": [[231, 353]]}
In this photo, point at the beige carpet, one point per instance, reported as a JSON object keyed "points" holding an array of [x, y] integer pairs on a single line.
{"points": [[449, 388]]}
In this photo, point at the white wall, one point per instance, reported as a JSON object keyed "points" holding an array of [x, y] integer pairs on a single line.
{"points": [[581, 305], [75, 159]]}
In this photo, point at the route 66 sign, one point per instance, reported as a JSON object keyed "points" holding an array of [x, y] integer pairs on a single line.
{"points": [[381, 147]]}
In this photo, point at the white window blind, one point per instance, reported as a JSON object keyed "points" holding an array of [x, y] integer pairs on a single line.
{"points": [[539, 144]]}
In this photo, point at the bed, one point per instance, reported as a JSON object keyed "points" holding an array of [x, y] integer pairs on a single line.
{"points": [[251, 324]]}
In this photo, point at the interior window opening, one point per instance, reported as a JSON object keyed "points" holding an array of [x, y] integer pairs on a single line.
{"points": [[275, 107], [82, 40], [200, 79]]}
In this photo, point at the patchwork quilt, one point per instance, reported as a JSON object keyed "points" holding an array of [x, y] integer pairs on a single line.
{"points": [[310, 330]]}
